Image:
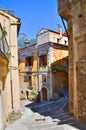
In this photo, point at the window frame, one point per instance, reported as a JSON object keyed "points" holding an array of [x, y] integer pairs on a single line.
{"points": [[42, 60]]}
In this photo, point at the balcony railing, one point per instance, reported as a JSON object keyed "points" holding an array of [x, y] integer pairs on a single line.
{"points": [[28, 68], [4, 47], [64, 8]]}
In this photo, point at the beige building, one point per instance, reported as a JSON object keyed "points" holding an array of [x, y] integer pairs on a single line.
{"points": [[36, 61], [9, 78], [74, 11]]}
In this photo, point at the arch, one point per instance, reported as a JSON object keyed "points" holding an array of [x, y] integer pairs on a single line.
{"points": [[44, 94]]}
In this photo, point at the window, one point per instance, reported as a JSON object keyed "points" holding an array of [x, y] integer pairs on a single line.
{"points": [[44, 78], [29, 61], [58, 40], [65, 42], [42, 60], [30, 81], [25, 78]]}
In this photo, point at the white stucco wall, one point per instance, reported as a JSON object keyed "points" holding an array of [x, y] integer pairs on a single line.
{"points": [[41, 39], [50, 36]]}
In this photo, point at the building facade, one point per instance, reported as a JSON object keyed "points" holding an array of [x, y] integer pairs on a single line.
{"points": [[9, 80], [4, 61], [43, 65], [74, 12]]}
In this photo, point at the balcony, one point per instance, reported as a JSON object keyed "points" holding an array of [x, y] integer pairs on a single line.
{"points": [[4, 48], [64, 8], [43, 68], [28, 68]]}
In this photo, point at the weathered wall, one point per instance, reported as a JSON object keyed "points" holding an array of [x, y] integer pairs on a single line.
{"points": [[71, 67], [60, 80], [6, 20], [3, 91], [79, 36], [60, 76]]}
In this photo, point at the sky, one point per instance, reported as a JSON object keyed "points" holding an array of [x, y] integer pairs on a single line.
{"points": [[34, 14]]}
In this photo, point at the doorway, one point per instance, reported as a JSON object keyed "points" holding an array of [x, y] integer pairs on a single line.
{"points": [[44, 94]]}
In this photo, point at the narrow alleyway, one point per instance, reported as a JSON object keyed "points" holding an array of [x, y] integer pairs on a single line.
{"points": [[45, 116]]}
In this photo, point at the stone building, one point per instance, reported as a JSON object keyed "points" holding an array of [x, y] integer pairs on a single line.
{"points": [[9, 80], [41, 63], [74, 12]]}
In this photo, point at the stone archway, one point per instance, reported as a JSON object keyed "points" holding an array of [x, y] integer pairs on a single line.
{"points": [[44, 94]]}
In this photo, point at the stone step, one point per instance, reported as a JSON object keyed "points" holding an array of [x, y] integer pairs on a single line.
{"points": [[19, 127], [60, 114], [67, 121], [46, 106], [42, 126], [53, 128], [63, 116]]}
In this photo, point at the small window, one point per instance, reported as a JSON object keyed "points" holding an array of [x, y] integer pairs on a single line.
{"points": [[58, 40], [44, 78], [65, 42], [25, 78]]}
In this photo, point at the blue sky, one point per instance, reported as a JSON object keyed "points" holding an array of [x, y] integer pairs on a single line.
{"points": [[35, 14]]}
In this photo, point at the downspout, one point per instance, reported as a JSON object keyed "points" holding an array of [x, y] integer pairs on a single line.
{"points": [[64, 26], [10, 66], [38, 69]]}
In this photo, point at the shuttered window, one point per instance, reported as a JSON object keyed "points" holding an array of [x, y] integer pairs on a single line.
{"points": [[42, 60], [29, 61]]}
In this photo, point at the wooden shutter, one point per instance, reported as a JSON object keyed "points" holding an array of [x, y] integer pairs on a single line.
{"points": [[26, 61]]}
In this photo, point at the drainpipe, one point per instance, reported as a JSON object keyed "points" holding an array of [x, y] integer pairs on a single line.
{"points": [[37, 69], [10, 66], [64, 26]]}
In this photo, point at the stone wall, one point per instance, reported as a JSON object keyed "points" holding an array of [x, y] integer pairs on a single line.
{"points": [[81, 87], [76, 19]]}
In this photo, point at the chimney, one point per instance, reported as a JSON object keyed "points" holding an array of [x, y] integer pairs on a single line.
{"points": [[59, 29]]}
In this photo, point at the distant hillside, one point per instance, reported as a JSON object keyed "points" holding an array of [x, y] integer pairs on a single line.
{"points": [[21, 42]]}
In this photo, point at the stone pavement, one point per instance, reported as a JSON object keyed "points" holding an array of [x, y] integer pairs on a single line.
{"points": [[45, 116]]}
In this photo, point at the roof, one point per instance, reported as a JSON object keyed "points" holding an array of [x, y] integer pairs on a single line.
{"points": [[7, 14], [44, 30]]}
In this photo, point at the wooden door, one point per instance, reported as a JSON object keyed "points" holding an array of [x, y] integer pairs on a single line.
{"points": [[44, 92]]}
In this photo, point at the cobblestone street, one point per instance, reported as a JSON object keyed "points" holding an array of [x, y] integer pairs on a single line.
{"points": [[45, 116]]}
